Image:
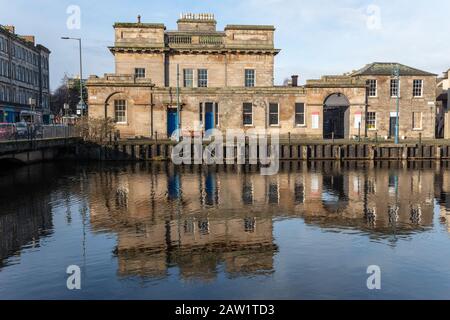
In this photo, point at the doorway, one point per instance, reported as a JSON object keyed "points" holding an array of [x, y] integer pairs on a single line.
{"points": [[172, 121], [336, 117]]}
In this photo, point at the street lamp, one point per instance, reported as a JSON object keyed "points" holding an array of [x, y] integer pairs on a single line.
{"points": [[81, 104]]}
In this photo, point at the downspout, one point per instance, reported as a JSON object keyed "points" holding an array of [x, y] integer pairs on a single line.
{"points": [[151, 111]]}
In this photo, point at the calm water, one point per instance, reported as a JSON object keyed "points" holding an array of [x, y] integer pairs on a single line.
{"points": [[158, 232]]}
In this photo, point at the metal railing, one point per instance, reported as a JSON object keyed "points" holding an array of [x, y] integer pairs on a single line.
{"points": [[11, 132]]}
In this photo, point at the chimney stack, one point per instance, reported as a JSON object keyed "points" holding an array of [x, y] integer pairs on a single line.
{"points": [[295, 80]]}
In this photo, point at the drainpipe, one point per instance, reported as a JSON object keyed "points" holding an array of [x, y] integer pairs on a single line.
{"points": [[151, 112]]}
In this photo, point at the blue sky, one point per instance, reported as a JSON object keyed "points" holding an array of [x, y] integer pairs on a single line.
{"points": [[316, 37]]}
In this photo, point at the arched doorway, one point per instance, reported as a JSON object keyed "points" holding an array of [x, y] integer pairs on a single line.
{"points": [[336, 118]]}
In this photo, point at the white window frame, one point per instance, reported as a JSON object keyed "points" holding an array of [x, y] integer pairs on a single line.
{"points": [[246, 113], [125, 111], [375, 121], [198, 78], [138, 75], [185, 79], [304, 115], [414, 123], [245, 78], [369, 89], [421, 88], [278, 115], [398, 88]]}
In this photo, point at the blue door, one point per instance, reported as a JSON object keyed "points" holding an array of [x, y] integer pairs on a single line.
{"points": [[209, 121], [172, 121]]}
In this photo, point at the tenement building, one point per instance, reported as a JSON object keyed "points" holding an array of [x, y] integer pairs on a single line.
{"points": [[225, 79], [24, 77]]}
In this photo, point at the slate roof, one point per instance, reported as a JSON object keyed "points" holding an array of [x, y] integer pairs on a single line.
{"points": [[387, 69]]}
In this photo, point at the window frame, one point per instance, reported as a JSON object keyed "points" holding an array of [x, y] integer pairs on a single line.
{"points": [[185, 78], [398, 88], [414, 88], [139, 75], [278, 115], [303, 113], [199, 78], [244, 113], [125, 106], [369, 83], [253, 84], [368, 120]]}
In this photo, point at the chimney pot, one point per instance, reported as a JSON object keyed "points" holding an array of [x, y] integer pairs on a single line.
{"points": [[295, 80]]}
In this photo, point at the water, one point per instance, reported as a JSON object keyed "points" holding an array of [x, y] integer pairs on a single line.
{"points": [[142, 231]]}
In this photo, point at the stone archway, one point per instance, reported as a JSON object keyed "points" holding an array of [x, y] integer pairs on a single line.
{"points": [[336, 117]]}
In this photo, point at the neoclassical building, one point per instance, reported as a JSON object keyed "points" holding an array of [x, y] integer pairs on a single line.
{"points": [[225, 79]]}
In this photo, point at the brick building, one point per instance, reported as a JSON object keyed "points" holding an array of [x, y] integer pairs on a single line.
{"points": [[24, 75], [226, 80]]}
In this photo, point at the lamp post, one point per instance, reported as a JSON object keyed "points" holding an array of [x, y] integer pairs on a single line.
{"points": [[81, 104], [396, 75]]}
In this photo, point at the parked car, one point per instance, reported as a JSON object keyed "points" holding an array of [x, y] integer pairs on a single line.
{"points": [[22, 130], [7, 131]]}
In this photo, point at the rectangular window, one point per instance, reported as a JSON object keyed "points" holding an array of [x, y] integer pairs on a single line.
{"points": [[299, 114], [417, 120], [395, 87], [202, 78], [120, 111], [139, 72], [249, 78], [247, 114], [372, 86], [188, 78], [371, 120], [417, 88], [216, 114], [273, 114]]}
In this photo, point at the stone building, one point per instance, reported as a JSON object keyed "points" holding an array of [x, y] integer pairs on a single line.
{"points": [[24, 76], [442, 107], [226, 80]]}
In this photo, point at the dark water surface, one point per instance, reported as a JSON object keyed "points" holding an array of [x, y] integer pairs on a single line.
{"points": [[143, 231]]}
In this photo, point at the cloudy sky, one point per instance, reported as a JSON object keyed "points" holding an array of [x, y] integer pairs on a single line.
{"points": [[316, 37]]}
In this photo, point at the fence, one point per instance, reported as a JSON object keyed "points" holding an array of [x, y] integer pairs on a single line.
{"points": [[15, 132]]}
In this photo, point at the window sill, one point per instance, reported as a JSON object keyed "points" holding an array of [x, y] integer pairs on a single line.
{"points": [[122, 123], [417, 129], [301, 126]]}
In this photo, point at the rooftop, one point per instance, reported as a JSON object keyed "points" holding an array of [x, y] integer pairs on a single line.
{"points": [[387, 69]]}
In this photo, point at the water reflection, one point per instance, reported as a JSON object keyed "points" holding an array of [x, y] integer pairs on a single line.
{"points": [[203, 219], [207, 221]]}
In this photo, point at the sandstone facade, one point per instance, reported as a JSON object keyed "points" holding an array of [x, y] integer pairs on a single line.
{"points": [[226, 80]]}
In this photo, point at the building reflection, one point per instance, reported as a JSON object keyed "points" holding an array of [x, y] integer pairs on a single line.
{"points": [[26, 213], [199, 220]]}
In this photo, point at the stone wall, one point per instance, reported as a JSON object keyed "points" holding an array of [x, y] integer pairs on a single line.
{"points": [[384, 106]]}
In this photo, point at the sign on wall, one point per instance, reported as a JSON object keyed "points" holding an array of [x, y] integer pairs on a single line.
{"points": [[315, 120]]}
